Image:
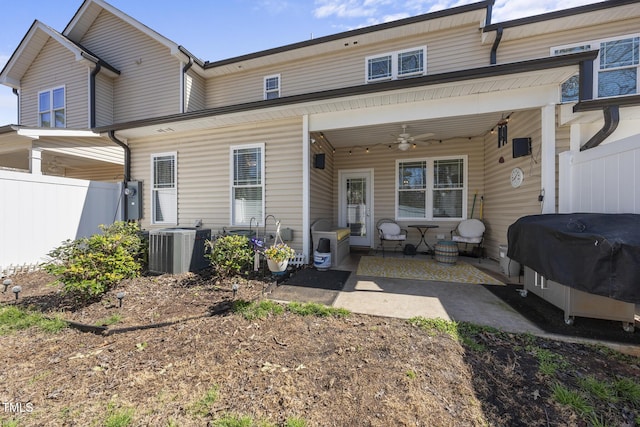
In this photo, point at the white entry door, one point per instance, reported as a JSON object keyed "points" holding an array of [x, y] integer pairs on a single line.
{"points": [[356, 205]]}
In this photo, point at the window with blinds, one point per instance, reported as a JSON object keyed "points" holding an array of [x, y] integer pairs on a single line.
{"points": [[431, 188], [164, 193], [247, 189]]}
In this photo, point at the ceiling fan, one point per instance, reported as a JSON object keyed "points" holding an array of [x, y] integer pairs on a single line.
{"points": [[405, 139]]}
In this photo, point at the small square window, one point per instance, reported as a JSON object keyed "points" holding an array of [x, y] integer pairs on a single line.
{"points": [[379, 68], [410, 62]]}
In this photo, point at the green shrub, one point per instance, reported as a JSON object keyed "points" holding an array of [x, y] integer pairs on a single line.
{"points": [[230, 255], [90, 266]]}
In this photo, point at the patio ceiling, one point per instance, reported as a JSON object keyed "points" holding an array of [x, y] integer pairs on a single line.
{"points": [[442, 129], [71, 149]]}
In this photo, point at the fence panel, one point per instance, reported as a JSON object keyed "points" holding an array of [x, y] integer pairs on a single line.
{"points": [[38, 212]]}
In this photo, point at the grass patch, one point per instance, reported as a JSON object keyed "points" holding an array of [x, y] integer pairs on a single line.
{"points": [[119, 418], [14, 319], [111, 320], [462, 332], [257, 310], [265, 308], [436, 326], [202, 407], [295, 422], [234, 421], [314, 309], [598, 389], [548, 361], [627, 390], [573, 399]]}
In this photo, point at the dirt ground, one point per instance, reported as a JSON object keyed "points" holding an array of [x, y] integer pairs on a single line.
{"points": [[174, 340]]}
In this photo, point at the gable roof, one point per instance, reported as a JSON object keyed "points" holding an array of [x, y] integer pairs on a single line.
{"points": [[89, 11], [31, 45]]}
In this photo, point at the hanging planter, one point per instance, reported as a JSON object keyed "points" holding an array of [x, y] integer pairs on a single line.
{"points": [[277, 267], [278, 256]]}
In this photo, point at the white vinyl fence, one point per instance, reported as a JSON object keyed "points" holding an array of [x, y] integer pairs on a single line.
{"points": [[39, 212], [604, 179]]}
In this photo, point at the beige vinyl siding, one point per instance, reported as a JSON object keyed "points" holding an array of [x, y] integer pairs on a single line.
{"points": [[149, 83], [448, 50], [195, 94], [503, 204], [56, 66], [109, 173], [383, 161], [104, 100], [539, 46], [322, 184], [204, 173]]}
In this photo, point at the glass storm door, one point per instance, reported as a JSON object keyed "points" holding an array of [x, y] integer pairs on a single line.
{"points": [[356, 206]]}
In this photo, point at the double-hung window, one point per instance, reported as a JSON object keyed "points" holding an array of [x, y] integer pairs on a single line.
{"points": [[164, 194], [51, 108], [272, 87], [396, 65], [247, 184], [431, 188], [615, 68]]}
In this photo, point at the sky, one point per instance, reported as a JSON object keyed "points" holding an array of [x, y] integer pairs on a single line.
{"points": [[221, 29]]}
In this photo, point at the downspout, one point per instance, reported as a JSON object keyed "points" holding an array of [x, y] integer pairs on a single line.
{"points": [[127, 164], [184, 87], [92, 95], [127, 155], [611, 119], [17, 94], [487, 20], [494, 49]]}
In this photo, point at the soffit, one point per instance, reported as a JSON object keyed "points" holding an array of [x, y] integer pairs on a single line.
{"points": [[88, 149]]}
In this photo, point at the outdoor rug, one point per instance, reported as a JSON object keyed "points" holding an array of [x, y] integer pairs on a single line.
{"points": [[549, 318], [332, 280], [423, 269]]}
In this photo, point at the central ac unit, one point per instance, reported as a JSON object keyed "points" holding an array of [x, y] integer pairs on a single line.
{"points": [[178, 250]]}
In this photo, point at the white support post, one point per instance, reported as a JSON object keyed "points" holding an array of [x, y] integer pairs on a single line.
{"points": [[548, 159], [35, 161], [306, 188]]}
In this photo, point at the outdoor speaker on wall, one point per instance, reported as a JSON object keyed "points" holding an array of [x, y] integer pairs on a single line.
{"points": [[521, 147], [318, 161]]}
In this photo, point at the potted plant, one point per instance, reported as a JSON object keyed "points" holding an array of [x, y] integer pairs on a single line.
{"points": [[278, 256]]}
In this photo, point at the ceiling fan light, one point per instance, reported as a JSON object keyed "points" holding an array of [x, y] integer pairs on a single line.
{"points": [[403, 146]]}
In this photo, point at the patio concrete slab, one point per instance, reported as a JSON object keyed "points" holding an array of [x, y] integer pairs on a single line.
{"points": [[404, 299]]}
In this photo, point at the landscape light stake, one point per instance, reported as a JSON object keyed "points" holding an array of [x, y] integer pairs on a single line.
{"points": [[234, 288], [120, 296], [6, 284], [16, 290]]}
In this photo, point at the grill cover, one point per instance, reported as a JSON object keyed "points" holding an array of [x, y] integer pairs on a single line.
{"points": [[595, 253]]}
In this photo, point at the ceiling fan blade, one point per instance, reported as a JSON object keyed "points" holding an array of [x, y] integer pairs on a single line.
{"points": [[423, 136]]}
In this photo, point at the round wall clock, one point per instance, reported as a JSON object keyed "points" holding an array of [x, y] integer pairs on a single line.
{"points": [[517, 176]]}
